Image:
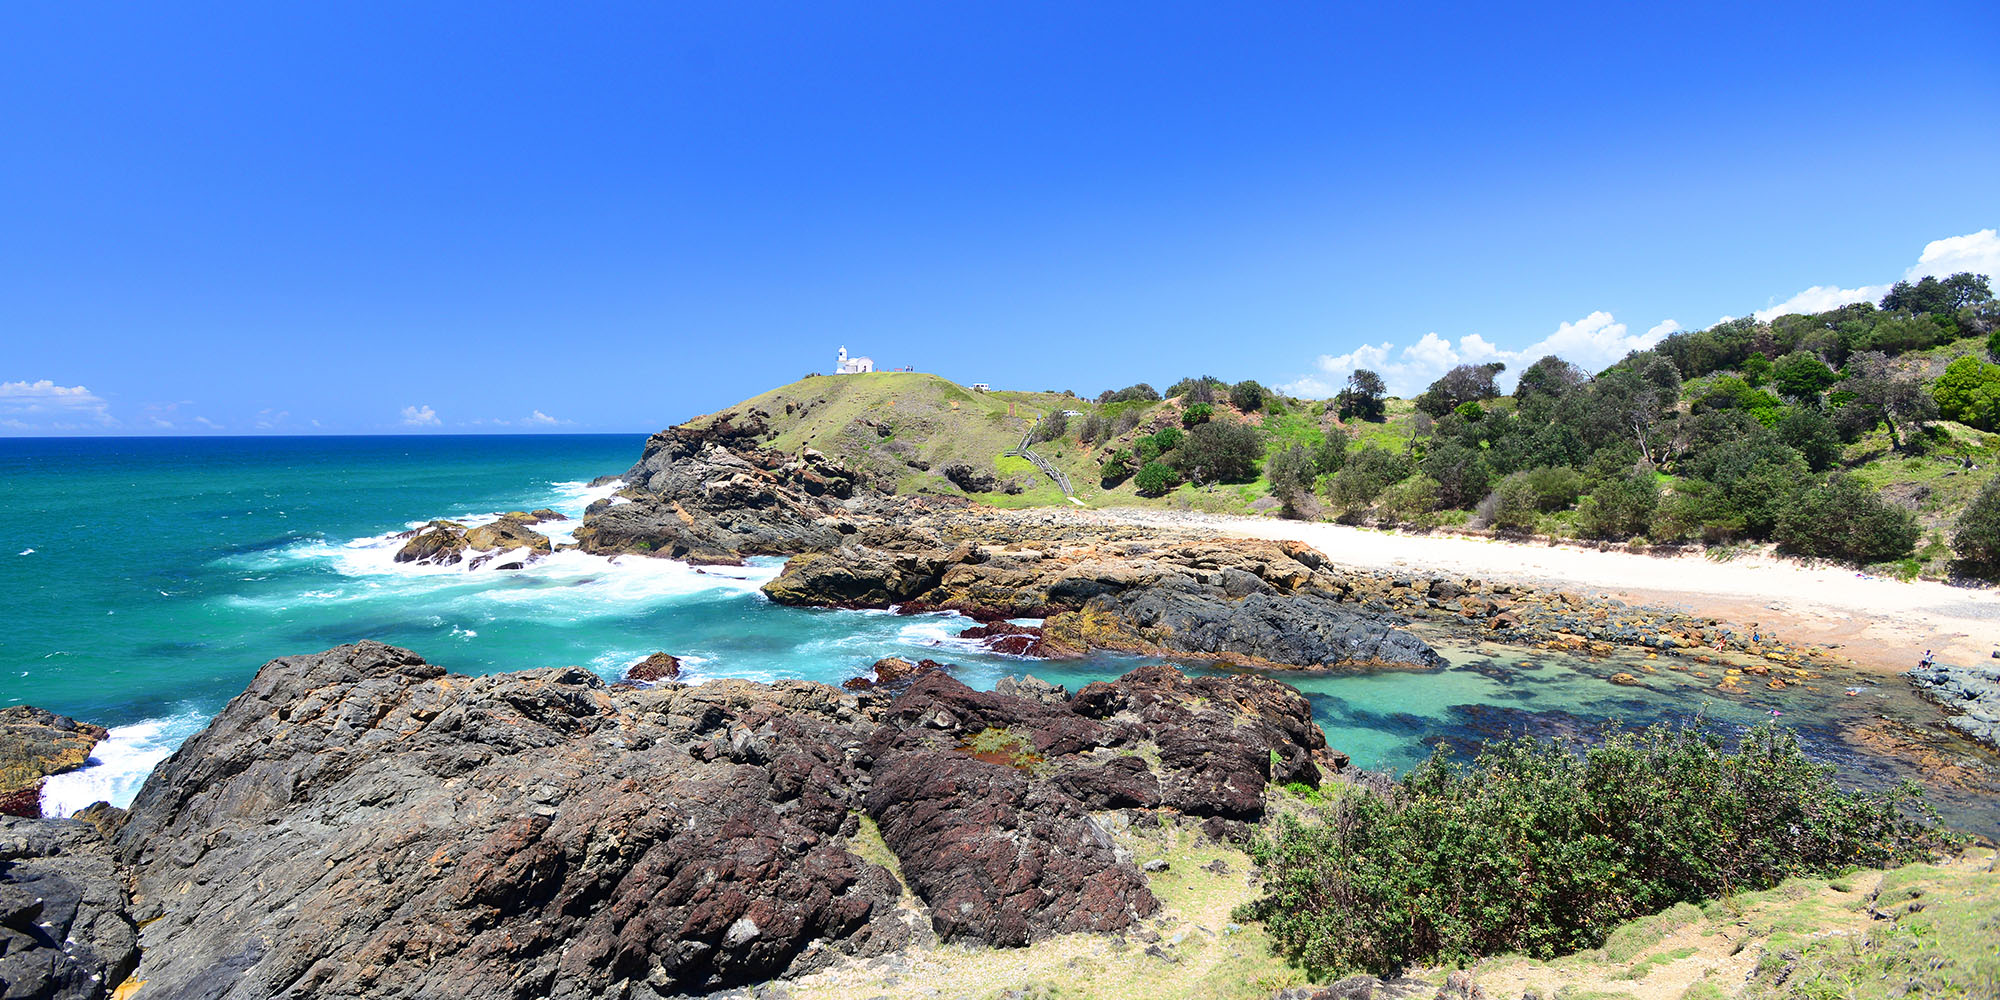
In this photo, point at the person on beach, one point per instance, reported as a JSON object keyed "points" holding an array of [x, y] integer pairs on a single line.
{"points": [[1927, 660]]}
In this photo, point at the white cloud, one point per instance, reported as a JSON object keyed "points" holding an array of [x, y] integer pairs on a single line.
{"points": [[1976, 252], [210, 424], [269, 419], [420, 416], [542, 419], [44, 405], [1819, 298], [1597, 340], [1593, 342]]}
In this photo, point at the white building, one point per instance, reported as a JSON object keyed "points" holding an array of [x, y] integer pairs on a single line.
{"points": [[852, 366]]}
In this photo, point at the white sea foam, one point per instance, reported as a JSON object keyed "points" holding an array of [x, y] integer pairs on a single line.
{"points": [[118, 765], [27, 552]]}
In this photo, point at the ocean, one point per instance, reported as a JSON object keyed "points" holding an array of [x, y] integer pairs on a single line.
{"points": [[148, 578]]}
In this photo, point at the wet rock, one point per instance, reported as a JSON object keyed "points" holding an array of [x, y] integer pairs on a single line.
{"points": [[1971, 696], [1261, 629], [655, 668], [33, 745], [439, 543]]}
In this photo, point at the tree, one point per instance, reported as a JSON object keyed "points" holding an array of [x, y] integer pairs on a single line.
{"points": [[1548, 380], [1200, 389], [1364, 397], [1051, 427], [1620, 508], [1410, 501], [1976, 535], [1156, 478], [1969, 392], [1199, 413], [1801, 375], [1140, 391], [1220, 451], [1807, 429], [1844, 519], [1247, 396], [1883, 393], [1116, 469], [1930, 295], [1331, 452], [1756, 368], [1462, 384], [1461, 473], [1293, 473], [1366, 474]]}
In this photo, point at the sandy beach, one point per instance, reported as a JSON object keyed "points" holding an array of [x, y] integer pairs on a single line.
{"points": [[1879, 623]]}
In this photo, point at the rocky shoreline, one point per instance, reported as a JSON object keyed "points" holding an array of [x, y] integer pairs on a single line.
{"points": [[362, 823]]}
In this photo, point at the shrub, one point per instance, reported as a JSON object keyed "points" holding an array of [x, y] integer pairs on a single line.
{"points": [[1364, 398], [1539, 850], [1512, 506], [1095, 429], [1051, 427], [1156, 478], [1807, 429], [1197, 390], [1247, 395], [1976, 535], [1331, 452], [1461, 472], [1619, 509], [1756, 369], [1366, 474], [1844, 519], [1141, 391], [1116, 469], [1167, 439], [1292, 473], [1969, 392], [1556, 487], [1801, 375], [1126, 420], [1199, 413], [1225, 451]]}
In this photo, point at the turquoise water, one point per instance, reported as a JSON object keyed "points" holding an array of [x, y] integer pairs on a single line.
{"points": [[147, 580]]}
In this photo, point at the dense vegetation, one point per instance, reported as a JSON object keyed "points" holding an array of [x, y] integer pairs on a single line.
{"points": [[1748, 431], [1539, 850]]}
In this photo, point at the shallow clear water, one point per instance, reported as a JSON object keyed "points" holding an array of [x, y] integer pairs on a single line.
{"points": [[148, 579]]}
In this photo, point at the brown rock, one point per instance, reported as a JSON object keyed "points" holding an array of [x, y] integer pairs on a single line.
{"points": [[655, 668]]}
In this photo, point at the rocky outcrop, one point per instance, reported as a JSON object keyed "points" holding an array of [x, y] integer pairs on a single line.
{"points": [[65, 929], [448, 543], [361, 823], [975, 480], [1245, 601], [33, 745], [1971, 696], [655, 668], [1294, 631], [712, 494]]}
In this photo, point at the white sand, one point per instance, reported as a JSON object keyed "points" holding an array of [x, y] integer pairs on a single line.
{"points": [[1879, 622]]}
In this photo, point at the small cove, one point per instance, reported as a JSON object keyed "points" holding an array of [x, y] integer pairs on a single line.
{"points": [[163, 573]]}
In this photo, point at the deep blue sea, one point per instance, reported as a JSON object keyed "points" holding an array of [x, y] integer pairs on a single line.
{"points": [[146, 579]]}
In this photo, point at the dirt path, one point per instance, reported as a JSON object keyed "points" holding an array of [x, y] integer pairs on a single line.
{"points": [[1882, 624]]}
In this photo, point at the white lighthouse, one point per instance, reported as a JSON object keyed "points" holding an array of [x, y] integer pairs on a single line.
{"points": [[852, 366]]}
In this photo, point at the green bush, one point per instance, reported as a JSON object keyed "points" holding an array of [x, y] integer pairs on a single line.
{"points": [[1975, 537], [1156, 478], [1223, 451], [1619, 509], [1969, 392], [1807, 430], [1293, 473], [1196, 415], [1367, 472], [1513, 505], [1116, 469], [1247, 395], [1539, 850], [1556, 487], [1331, 452], [1411, 502], [1844, 519]]}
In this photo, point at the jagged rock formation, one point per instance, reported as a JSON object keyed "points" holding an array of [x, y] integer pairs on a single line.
{"points": [[65, 929], [361, 823], [1970, 694], [448, 543], [711, 495], [33, 745]]}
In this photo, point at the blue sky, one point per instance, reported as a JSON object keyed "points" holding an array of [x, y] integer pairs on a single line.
{"points": [[299, 218]]}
